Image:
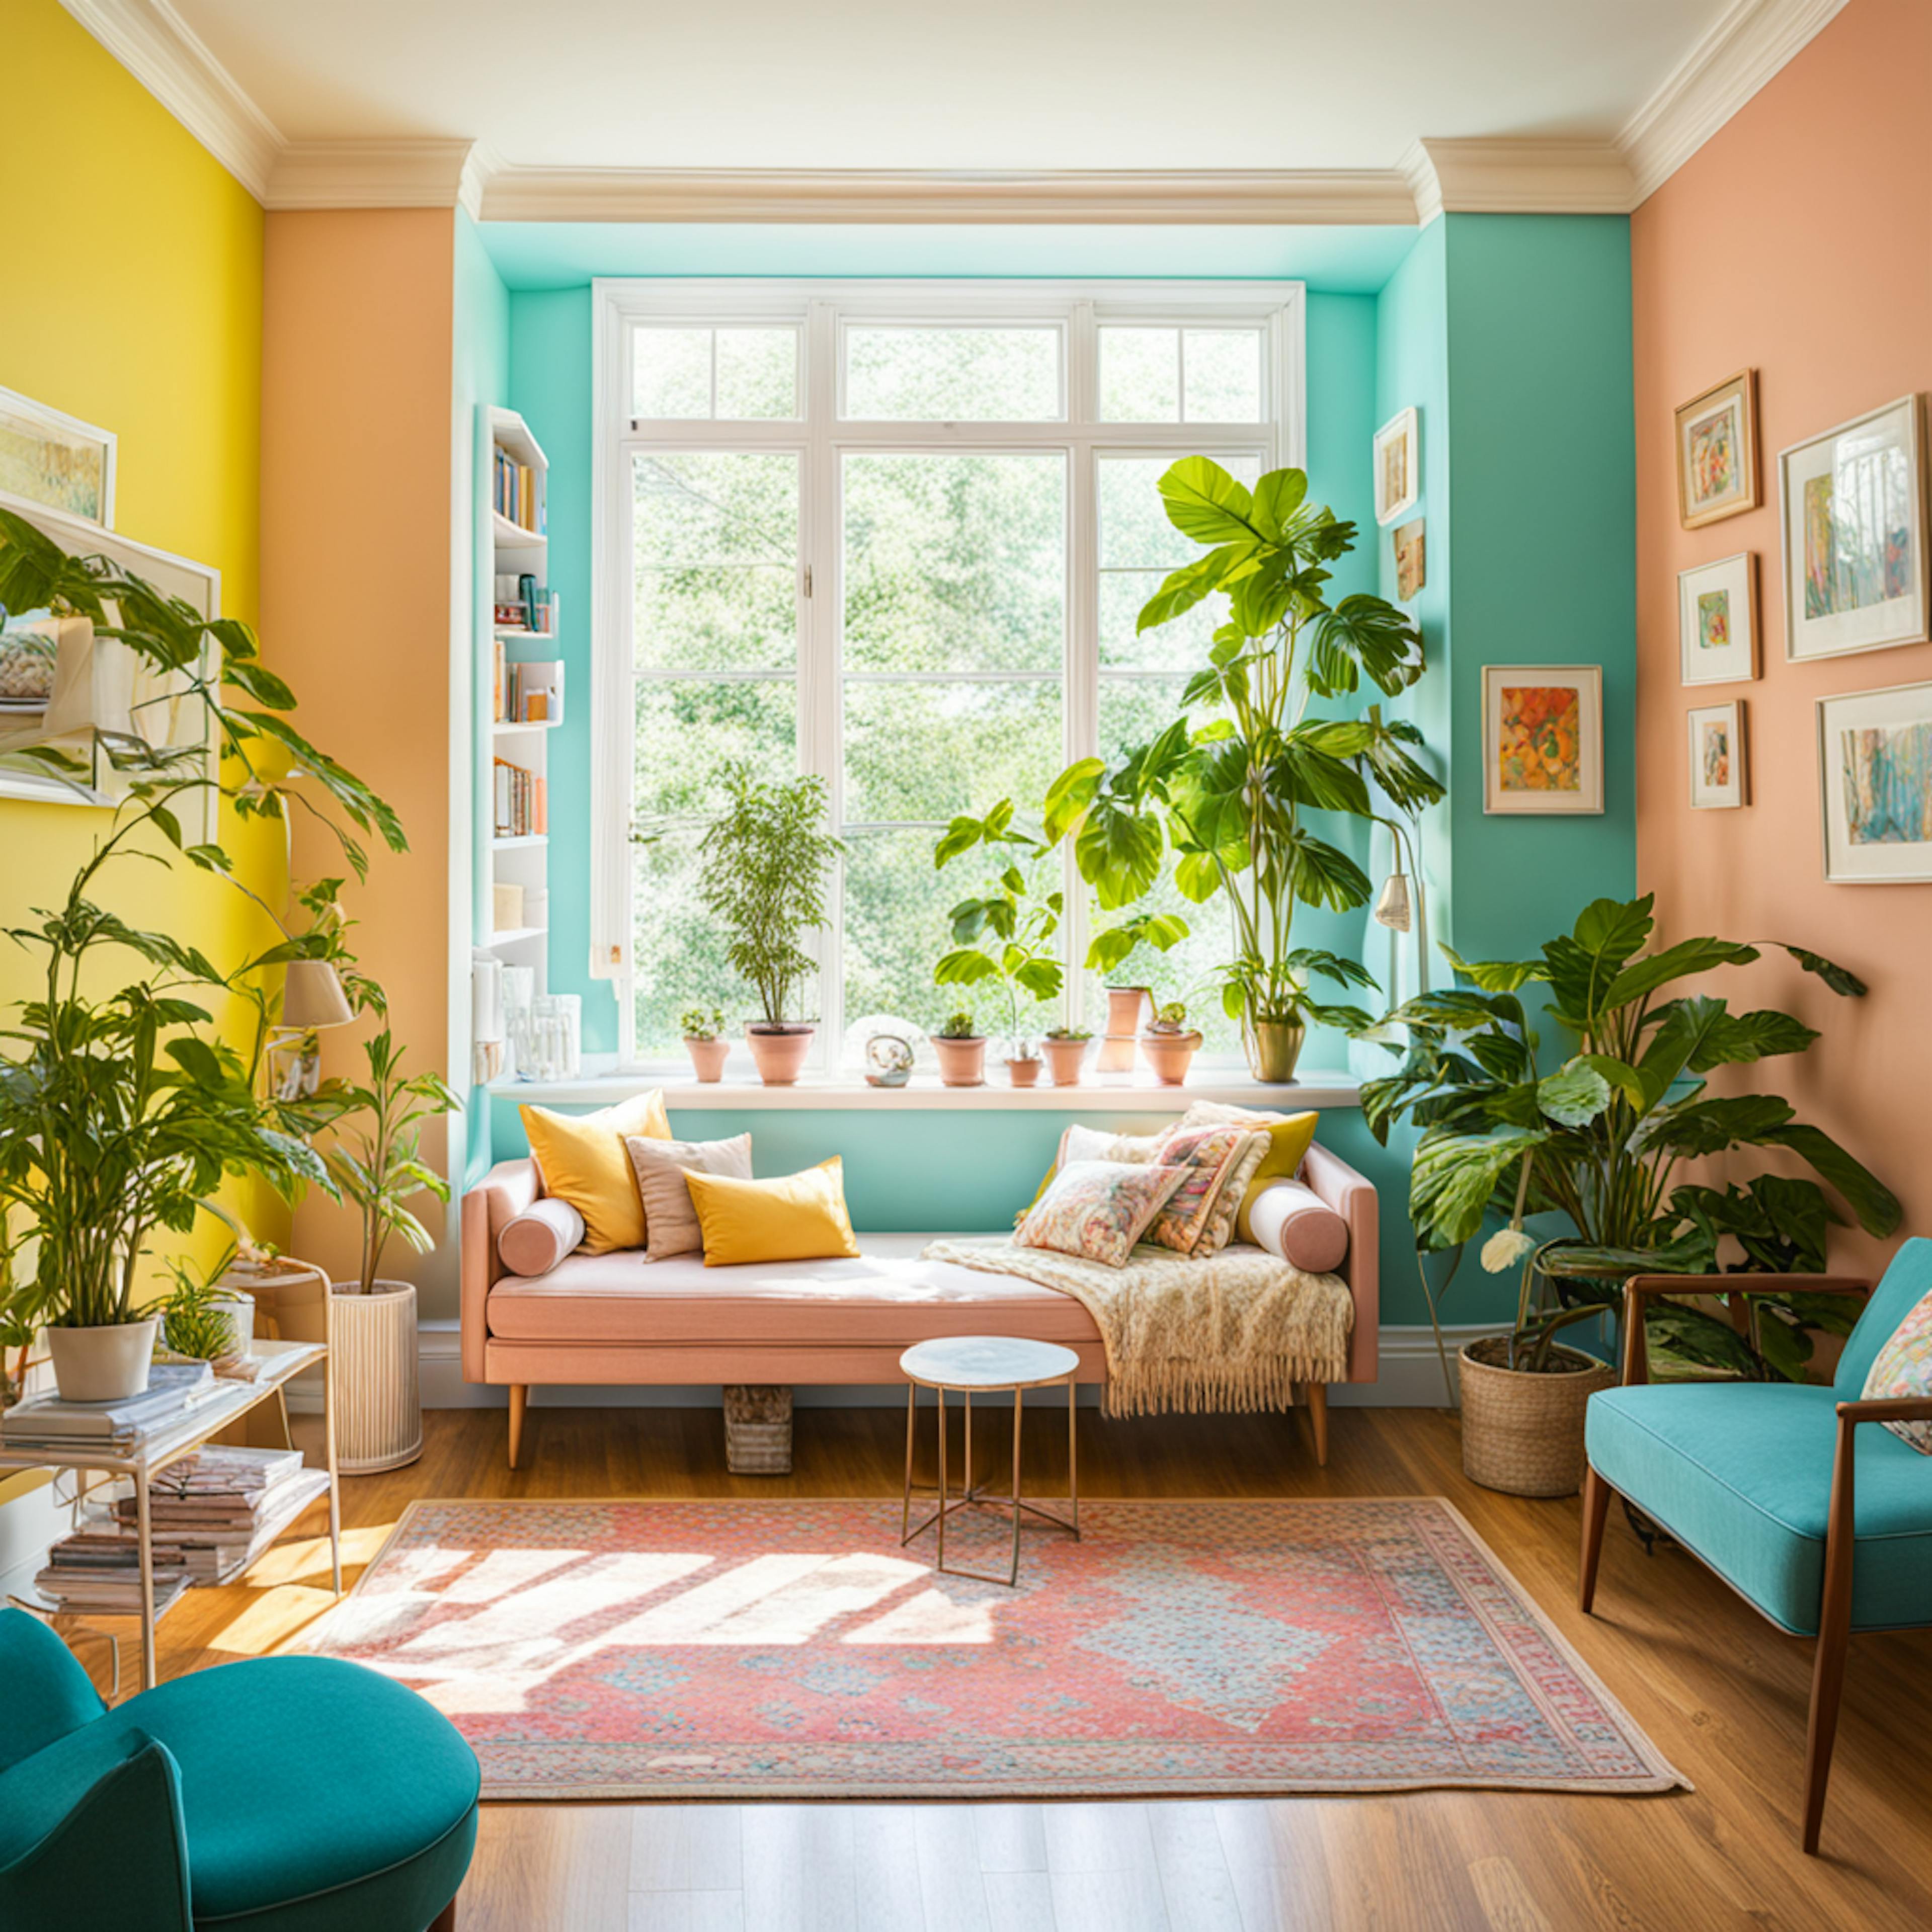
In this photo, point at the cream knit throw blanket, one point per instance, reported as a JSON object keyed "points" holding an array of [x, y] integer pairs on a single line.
{"points": [[1234, 1330]]}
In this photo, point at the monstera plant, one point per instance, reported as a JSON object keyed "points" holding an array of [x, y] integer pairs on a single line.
{"points": [[1231, 798]]}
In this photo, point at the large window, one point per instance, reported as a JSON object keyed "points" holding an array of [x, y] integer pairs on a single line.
{"points": [[897, 536]]}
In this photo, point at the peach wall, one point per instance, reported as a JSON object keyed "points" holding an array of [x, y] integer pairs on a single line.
{"points": [[1798, 241], [356, 592]]}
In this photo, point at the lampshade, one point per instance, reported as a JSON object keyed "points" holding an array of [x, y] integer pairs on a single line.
{"points": [[1392, 906], [312, 996]]}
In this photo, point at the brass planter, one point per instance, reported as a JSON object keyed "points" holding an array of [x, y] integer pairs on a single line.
{"points": [[1273, 1047]]}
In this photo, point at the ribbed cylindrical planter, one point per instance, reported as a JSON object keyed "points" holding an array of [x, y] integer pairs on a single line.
{"points": [[378, 1396], [1522, 1433]]}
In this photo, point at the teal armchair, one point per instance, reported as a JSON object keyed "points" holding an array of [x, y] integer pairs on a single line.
{"points": [[280, 1795], [1822, 1524]]}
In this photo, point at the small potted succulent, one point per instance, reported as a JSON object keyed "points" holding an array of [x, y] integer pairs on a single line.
{"points": [[1170, 1044], [704, 1040], [962, 1049], [1065, 1053]]}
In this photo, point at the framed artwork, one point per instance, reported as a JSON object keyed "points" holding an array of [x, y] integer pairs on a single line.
{"points": [[1398, 466], [1875, 781], [1543, 738], [1717, 452], [1718, 774], [56, 461], [1411, 560], [1852, 503], [1717, 620]]}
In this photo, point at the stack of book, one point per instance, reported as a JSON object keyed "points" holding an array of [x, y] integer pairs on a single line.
{"points": [[98, 1571], [213, 1512], [522, 802], [515, 493], [119, 1427], [527, 694]]}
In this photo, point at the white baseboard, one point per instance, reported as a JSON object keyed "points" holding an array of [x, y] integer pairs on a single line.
{"points": [[28, 1524]]}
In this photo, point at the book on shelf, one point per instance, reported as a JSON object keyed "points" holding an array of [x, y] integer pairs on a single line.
{"points": [[515, 492], [522, 801], [522, 605], [173, 1390], [535, 693]]}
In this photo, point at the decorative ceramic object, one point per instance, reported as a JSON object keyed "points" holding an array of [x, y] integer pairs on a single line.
{"points": [[962, 1063], [1024, 1072], [238, 1310], [104, 1364], [378, 1402], [1273, 1046], [781, 1051], [1064, 1060], [1127, 1007], [1169, 1054], [708, 1057], [888, 1060]]}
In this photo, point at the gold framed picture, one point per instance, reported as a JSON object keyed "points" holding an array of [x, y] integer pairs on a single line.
{"points": [[1543, 738], [1717, 452], [1719, 781]]}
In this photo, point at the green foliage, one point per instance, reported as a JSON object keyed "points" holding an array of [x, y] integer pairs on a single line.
{"points": [[1172, 1018], [193, 1321], [958, 1026], [1228, 801], [701, 1023], [1007, 936], [766, 858]]}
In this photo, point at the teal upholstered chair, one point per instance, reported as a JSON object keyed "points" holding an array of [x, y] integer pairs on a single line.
{"points": [[1822, 1525], [292, 1794]]}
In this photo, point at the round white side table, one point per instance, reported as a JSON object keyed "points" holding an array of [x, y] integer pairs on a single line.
{"points": [[965, 1363]]}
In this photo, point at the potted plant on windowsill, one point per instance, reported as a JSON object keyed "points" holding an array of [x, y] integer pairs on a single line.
{"points": [[1065, 1048], [765, 861], [962, 1050], [704, 1040], [1170, 1044]]}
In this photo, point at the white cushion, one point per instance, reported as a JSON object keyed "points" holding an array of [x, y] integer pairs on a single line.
{"points": [[1289, 1218], [533, 1242]]}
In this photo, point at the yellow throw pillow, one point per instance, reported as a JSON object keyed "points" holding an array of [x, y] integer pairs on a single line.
{"points": [[800, 1218], [1290, 1136], [585, 1162]]}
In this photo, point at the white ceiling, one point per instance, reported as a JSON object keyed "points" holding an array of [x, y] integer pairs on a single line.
{"points": [[984, 85]]}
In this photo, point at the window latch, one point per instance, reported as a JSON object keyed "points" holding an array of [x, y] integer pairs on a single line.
{"points": [[808, 580]]}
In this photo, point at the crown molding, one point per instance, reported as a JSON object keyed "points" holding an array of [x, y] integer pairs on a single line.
{"points": [[1516, 176], [424, 173], [165, 54], [1742, 51], [513, 193]]}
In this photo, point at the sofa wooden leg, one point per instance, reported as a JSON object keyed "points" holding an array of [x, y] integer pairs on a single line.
{"points": [[1834, 1631], [1317, 1393], [1596, 1514], [520, 1397], [445, 1919]]}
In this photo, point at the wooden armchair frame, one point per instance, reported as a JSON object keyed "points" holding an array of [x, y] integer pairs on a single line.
{"points": [[1834, 1614]]}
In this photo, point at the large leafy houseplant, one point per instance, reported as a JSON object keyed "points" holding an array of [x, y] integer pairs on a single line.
{"points": [[1231, 800], [1600, 1141]]}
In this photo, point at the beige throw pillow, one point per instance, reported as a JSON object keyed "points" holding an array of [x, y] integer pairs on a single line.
{"points": [[671, 1220]]}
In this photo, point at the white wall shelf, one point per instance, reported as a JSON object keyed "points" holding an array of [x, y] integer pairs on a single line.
{"points": [[513, 536], [530, 842], [503, 727], [520, 935]]}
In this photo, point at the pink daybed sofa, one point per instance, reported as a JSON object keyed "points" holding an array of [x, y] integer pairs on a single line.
{"points": [[621, 1320]]}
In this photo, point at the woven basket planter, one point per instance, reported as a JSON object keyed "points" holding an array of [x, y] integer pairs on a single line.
{"points": [[757, 1429], [1523, 1433], [378, 1398]]}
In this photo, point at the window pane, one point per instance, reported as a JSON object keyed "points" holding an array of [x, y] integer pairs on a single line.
{"points": [[896, 903], [688, 729], [1140, 375], [1224, 375], [927, 751], [955, 562], [671, 373], [952, 375], [715, 548], [758, 374]]}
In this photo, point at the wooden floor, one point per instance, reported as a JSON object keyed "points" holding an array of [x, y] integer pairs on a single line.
{"points": [[1721, 1692]]}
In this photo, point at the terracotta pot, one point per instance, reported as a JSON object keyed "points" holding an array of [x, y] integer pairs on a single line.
{"points": [[378, 1397], [1126, 1006], [1064, 1059], [780, 1052], [707, 1056], [1273, 1047], [105, 1364], [1023, 1073], [962, 1063], [1169, 1054], [1523, 1433]]}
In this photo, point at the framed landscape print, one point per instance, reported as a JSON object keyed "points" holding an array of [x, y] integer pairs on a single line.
{"points": [[1398, 456], [1411, 560], [1543, 738], [1717, 778], [1717, 620], [1717, 452], [1875, 776], [56, 461], [1852, 503]]}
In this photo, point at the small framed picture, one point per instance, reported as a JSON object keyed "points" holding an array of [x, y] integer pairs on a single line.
{"points": [[1411, 560], [1717, 620], [1543, 738], [1717, 778], [1875, 781], [1852, 503], [55, 460], [1717, 452], [1398, 466]]}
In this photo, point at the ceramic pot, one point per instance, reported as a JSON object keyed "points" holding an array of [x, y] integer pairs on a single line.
{"points": [[1522, 1433], [1023, 1073], [378, 1398], [105, 1364], [239, 1310], [1064, 1059], [1126, 1006], [962, 1063], [780, 1052], [1169, 1054], [707, 1057], [1273, 1047]]}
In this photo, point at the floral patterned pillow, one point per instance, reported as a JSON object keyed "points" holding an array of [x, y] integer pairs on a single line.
{"points": [[1903, 1367], [1216, 1162], [1098, 1209]]}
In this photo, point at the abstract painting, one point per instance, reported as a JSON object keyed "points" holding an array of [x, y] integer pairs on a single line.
{"points": [[55, 460], [1398, 466], [1543, 738], [1875, 760], [1411, 560], [1717, 757], [1854, 512], [1717, 620], [1717, 451]]}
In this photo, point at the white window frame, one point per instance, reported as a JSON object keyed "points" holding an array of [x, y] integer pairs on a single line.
{"points": [[822, 311]]}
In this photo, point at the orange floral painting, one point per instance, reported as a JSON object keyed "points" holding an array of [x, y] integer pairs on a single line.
{"points": [[1540, 744]]}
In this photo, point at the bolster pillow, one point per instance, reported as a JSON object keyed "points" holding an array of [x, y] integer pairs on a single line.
{"points": [[540, 1236], [1289, 1218]]}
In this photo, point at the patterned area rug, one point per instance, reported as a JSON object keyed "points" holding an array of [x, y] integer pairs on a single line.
{"points": [[746, 1650]]}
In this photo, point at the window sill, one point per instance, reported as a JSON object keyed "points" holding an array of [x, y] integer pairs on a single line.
{"points": [[1136, 1094]]}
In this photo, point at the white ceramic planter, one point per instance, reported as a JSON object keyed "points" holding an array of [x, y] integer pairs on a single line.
{"points": [[102, 1364], [239, 1310], [378, 1396]]}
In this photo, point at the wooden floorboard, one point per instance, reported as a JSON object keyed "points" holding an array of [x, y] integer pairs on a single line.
{"points": [[1722, 1694]]}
